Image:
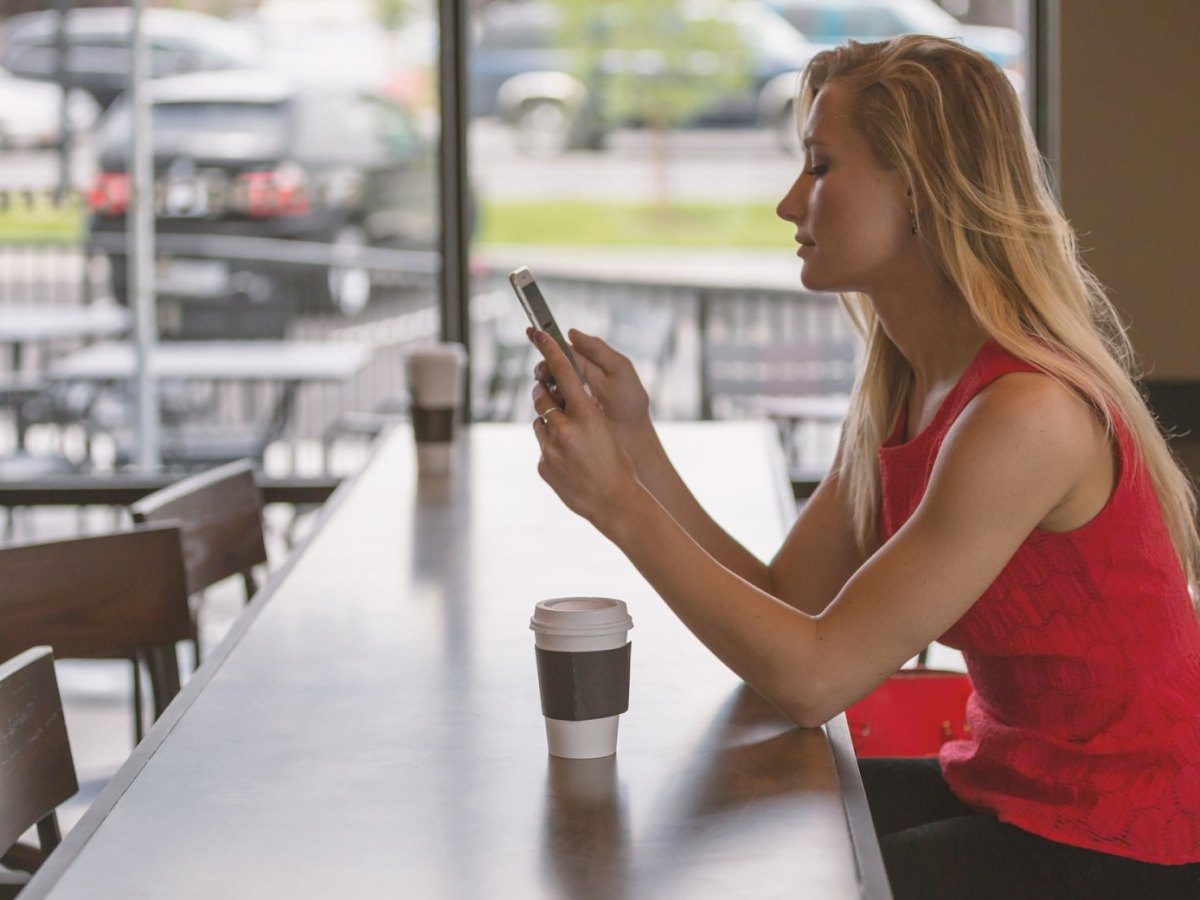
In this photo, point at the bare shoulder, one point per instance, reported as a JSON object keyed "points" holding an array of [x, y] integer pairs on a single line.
{"points": [[1027, 444], [1036, 412]]}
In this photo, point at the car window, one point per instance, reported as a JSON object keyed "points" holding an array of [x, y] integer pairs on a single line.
{"points": [[101, 55], [396, 129], [820, 25], [370, 128], [769, 34], [230, 129], [873, 22], [32, 60], [517, 28], [262, 121]]}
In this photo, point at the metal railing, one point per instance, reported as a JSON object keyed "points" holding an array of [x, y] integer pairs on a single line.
{"points": [[664, 323]]}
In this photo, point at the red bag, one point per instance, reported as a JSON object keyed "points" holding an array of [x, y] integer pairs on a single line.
{"points": [[912, 713]]}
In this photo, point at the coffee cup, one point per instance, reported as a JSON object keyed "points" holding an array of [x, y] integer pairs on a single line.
{"points": [[435, 381], [583, 653]]}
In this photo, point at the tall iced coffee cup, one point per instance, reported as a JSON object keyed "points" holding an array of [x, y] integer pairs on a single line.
{"points": [[583, 656], [435, 380]]}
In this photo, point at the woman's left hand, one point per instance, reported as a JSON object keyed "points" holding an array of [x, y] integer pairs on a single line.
{"points": [[582, 460]]}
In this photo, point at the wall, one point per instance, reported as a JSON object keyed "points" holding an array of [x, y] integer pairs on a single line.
{"points": [[1130, 180]]}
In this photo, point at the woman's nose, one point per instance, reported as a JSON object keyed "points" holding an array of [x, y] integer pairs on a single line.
{"points": [[791, 207]]}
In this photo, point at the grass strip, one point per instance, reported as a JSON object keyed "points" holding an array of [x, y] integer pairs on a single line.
{"points": [[587, 223]]}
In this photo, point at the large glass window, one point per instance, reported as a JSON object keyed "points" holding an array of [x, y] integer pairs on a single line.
{"points": [[631, 153]]}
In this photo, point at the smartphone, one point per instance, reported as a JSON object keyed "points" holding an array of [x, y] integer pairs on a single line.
{"points": [[538, 310]]}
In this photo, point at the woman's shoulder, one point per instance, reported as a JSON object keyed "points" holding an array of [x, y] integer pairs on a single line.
{"points": [[1038, 406]]}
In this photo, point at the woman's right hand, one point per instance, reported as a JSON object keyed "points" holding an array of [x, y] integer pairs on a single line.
{"points": [[613, 380]]}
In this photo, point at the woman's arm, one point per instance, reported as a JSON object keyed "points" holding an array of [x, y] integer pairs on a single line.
{"points": [[1011, 461], [616, 385]]}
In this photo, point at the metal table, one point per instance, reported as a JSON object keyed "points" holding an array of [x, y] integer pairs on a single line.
{"points": [[28, 323], [289, 364], [371, 727]]}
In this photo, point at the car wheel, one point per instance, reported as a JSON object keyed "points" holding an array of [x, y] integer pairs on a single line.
{"points": [[787, 130], [348, 287], [544, 128]]}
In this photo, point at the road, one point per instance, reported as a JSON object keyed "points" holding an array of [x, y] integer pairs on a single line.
{"points": [[704, 165]]}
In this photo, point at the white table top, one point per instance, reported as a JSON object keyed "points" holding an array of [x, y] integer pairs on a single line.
{"points": [[371, 727], [22, 322], [218, 360]]}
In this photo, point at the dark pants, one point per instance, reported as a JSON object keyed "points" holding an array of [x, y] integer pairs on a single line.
{"points": [[935, 846]]}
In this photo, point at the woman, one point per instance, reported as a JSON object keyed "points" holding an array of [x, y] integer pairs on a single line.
{"points": [[1000, 486]]}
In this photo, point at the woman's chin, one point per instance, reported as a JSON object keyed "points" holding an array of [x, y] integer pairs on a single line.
{"points": [[812, 280]]}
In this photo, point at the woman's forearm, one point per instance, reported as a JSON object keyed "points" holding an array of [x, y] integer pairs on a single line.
{"points": [[772, 646]]}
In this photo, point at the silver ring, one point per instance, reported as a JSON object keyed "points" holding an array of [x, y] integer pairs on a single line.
{"points": [[545, 416]]}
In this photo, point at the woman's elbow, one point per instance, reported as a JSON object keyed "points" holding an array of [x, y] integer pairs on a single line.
{"points": [[808, 703]]}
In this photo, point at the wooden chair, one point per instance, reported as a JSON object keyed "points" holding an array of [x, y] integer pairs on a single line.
{"points": [[220, 513], [36, 770], [111, 596]]}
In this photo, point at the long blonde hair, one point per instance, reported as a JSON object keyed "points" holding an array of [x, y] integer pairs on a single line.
{"points": [[949, 122]]}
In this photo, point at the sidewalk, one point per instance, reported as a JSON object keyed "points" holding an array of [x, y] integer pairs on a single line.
{"points": [[765, 268]]}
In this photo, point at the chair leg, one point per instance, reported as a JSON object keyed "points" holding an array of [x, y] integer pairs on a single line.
{"points": [[164, 675], [137, 701], [49, 835]]}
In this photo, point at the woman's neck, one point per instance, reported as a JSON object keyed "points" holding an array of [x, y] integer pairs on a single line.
{"points": [[933, 329]]}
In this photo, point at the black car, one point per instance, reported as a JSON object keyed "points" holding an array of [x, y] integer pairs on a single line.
{"points": [[98, 46], [241, 155]]}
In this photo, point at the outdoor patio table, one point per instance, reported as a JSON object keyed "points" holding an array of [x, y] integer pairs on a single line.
{"points": [[287, 363], [22, 324], [371, 726]]}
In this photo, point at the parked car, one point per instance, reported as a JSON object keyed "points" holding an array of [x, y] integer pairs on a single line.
{"points": [[98, 46], [253, 154], [30, 112], [521, 72], [832, 22]]}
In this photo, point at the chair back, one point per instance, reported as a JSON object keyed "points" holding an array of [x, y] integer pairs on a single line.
{"points": [[111, 596], [220, 513], [735, 372], [36, 770]]}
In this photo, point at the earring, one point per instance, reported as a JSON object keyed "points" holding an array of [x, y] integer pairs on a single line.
{"points": [[912, 222]]}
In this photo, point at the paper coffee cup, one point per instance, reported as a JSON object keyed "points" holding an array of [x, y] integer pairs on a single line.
{"points": [[583, 672], [435, 381]]}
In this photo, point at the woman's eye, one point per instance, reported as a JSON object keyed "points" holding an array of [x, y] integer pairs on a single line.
{"points": [[816, 171]]}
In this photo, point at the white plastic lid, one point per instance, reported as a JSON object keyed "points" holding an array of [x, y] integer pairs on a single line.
{"points": [[438, 351], [580, 616]]}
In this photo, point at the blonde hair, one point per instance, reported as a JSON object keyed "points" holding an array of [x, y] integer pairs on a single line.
{"points": [[949, 122]]}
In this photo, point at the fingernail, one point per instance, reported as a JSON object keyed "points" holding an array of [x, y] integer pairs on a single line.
{"points": [[539, 336]]}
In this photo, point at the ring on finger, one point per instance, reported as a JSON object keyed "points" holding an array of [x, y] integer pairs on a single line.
{"points": [[544, 417]]}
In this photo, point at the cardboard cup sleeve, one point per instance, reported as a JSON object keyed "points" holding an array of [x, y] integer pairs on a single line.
{"points": [[433, 426], [577, 686]]}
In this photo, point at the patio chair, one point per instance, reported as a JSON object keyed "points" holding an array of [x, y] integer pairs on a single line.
{"points": [[803, 387], [38, 773], [112, 596], [220, 515]]}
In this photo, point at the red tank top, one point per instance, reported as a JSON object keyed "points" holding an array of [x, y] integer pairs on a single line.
{"points": [[1085, 658]]}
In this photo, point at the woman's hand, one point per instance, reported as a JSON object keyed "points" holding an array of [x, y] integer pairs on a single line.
{"points": [[582, 460], [613, 380]]}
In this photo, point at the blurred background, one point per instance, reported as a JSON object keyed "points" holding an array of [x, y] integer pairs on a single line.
{"points": [[630, 152]]}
